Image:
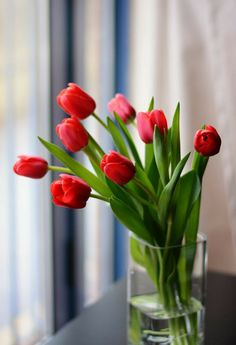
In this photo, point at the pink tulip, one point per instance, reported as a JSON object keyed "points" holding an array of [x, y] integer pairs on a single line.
{"points": [[146, 121], [121, 106]]}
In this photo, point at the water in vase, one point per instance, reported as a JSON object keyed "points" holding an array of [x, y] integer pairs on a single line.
{"points": [[150, 324]]}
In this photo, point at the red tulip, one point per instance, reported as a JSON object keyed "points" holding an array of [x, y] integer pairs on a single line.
{"points": [[207, 141], [72, 134], [146, 122], [75, 102], [117, 167], [70, 191], [120, 105], [31, 166]]}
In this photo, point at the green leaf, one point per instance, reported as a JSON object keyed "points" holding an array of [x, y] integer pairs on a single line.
{"points": [[97, 170], [151, 264], [124, 195], [146, 257], [93, 145], [149, 156], [193, 222], [118, 140], [186, 261], [142, 176], [185, 264], [134, 326], [166, 195], [169, 145], [151, 220], [161, 155], [175, 139], [199, 164], [150, 166], [151, 104], [188, 192], [130, 219], [77, 168], [136, 251], [94, 159], [129, 140]]}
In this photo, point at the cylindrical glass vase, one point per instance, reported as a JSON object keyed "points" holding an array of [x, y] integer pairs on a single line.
{"points": [[167, 288]]}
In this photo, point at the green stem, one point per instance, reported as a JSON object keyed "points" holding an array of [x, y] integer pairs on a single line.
{"points": [[60, 169], [96, 196], [146, 190], [147, 331], [168, 235], [161, 278], [100, 121], [182, 330]]}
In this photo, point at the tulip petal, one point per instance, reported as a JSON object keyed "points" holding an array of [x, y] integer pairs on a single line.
{"points": [[72, 134], [145, 128], [76, 102], [70, 191], [120, 105], [207, 141], [158, 118], [118, 173], [31, 166]]}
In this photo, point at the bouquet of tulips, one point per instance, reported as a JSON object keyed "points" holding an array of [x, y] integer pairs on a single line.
{"points": [[152, 197], [144, 196]]}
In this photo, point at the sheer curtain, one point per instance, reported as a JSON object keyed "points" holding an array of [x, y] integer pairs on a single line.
{"points": [[94, 71], [185, 51], [25, 313]]}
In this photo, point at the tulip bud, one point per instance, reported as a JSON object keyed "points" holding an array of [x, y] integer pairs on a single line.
{"points": [[120, 105], [117, 167], [70, 191], [30, 166], [158, 119], [207, 141], [145, 127], [146, 122], [72, 134], [75, 102]]}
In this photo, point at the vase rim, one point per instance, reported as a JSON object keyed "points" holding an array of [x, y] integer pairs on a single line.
{"points": [[201, 238]]}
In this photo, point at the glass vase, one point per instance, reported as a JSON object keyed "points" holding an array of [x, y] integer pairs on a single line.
{"points": [[167, 288]]}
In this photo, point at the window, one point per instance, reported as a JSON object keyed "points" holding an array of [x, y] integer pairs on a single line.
{"points": [[25, 315], [54, 262]]}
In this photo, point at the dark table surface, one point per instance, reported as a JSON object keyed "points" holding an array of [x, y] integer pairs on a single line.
{"points": [[104, 323]]}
